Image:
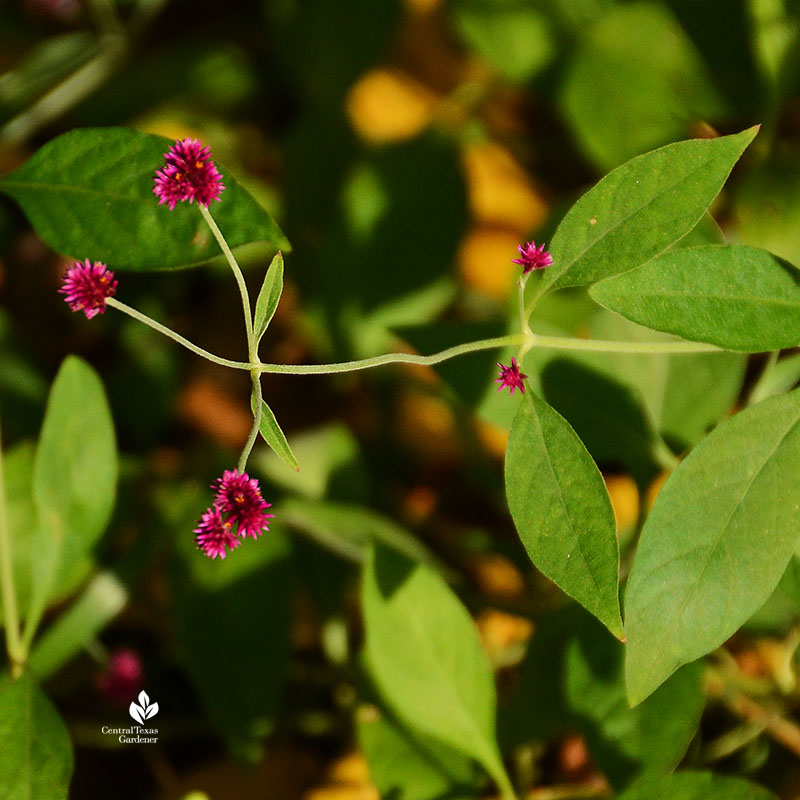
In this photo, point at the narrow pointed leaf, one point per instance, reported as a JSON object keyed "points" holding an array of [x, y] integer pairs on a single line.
{"points": [[35, 751], [641, 208], [269, 296], [273, 435], [561, 509], [716, 543], [734, 296], [89, 194], [424, 654]]}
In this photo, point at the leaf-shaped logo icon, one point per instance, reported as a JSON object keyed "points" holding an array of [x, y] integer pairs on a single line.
{"points": [[144, 710]]}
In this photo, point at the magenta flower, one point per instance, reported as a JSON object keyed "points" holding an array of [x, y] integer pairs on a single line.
{"points": [[532, 257], [189, 174], [86, 287], [215, 534], [121, 680], [511, 377], [239, 498]]}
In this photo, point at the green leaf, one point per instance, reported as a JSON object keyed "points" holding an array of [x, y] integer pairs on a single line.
{"points": [[621, 96], [35, 751], [349, 530], [269, 296], [273, 435], [561, 508], [695, 786], [411, 766], [22, 517], [626, 742], [75, 628], [89, 194], [74, 483], [734, 296], [511, 35], [424, 655], [641, 208], [716, 542]]}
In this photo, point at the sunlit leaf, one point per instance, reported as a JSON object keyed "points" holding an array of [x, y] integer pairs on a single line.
{"points": [[716, 542], [641, 208], [734, 296], [561, 508]]}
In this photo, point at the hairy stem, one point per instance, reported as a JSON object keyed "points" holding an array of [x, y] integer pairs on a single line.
{"points": [[237, 273], [176, 337], [258, 410]]}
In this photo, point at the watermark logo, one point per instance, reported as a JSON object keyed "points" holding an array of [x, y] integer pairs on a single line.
{"points": [[144, 710], [137, 734]]}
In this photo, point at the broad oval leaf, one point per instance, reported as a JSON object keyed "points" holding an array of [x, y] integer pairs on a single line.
{"points": [[641, 208], [269, 296], [561, 508], [690, 785], [89, 194], [716, 543], [737, 297], [35, 751], [74, 482], [424, 654]]}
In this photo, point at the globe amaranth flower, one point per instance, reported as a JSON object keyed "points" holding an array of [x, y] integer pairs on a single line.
{"points": [[122, 678], [215, 535], [239, 498], [511, 377], [189, 174], [532, 257], [86, 287]]}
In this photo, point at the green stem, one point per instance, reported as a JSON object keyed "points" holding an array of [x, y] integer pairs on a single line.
{"points": [[237, 273], [394, 358], [14, 647], [176, 337], [258, 410], [603, 346]]}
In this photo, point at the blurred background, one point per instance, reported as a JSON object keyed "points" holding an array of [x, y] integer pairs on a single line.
{"points": [[405, 147]]}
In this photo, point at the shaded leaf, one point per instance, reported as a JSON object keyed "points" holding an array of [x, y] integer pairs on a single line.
{"points": [[716, 542], [695, 786], [734, 296], [89, 193], [74, 482], [35, 751], [412, 766], [561, 508]]}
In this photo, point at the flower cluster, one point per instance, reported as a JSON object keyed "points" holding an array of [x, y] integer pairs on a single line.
{"points": [[189, 174], [86, 287], [532, 257], [238, 511]]}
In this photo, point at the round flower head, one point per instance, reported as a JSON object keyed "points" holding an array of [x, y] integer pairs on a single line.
{"points": [[86, 287], [511, 377], [122, 678], [239, 499], [189, 174], [532, 257], [215, 534]]}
